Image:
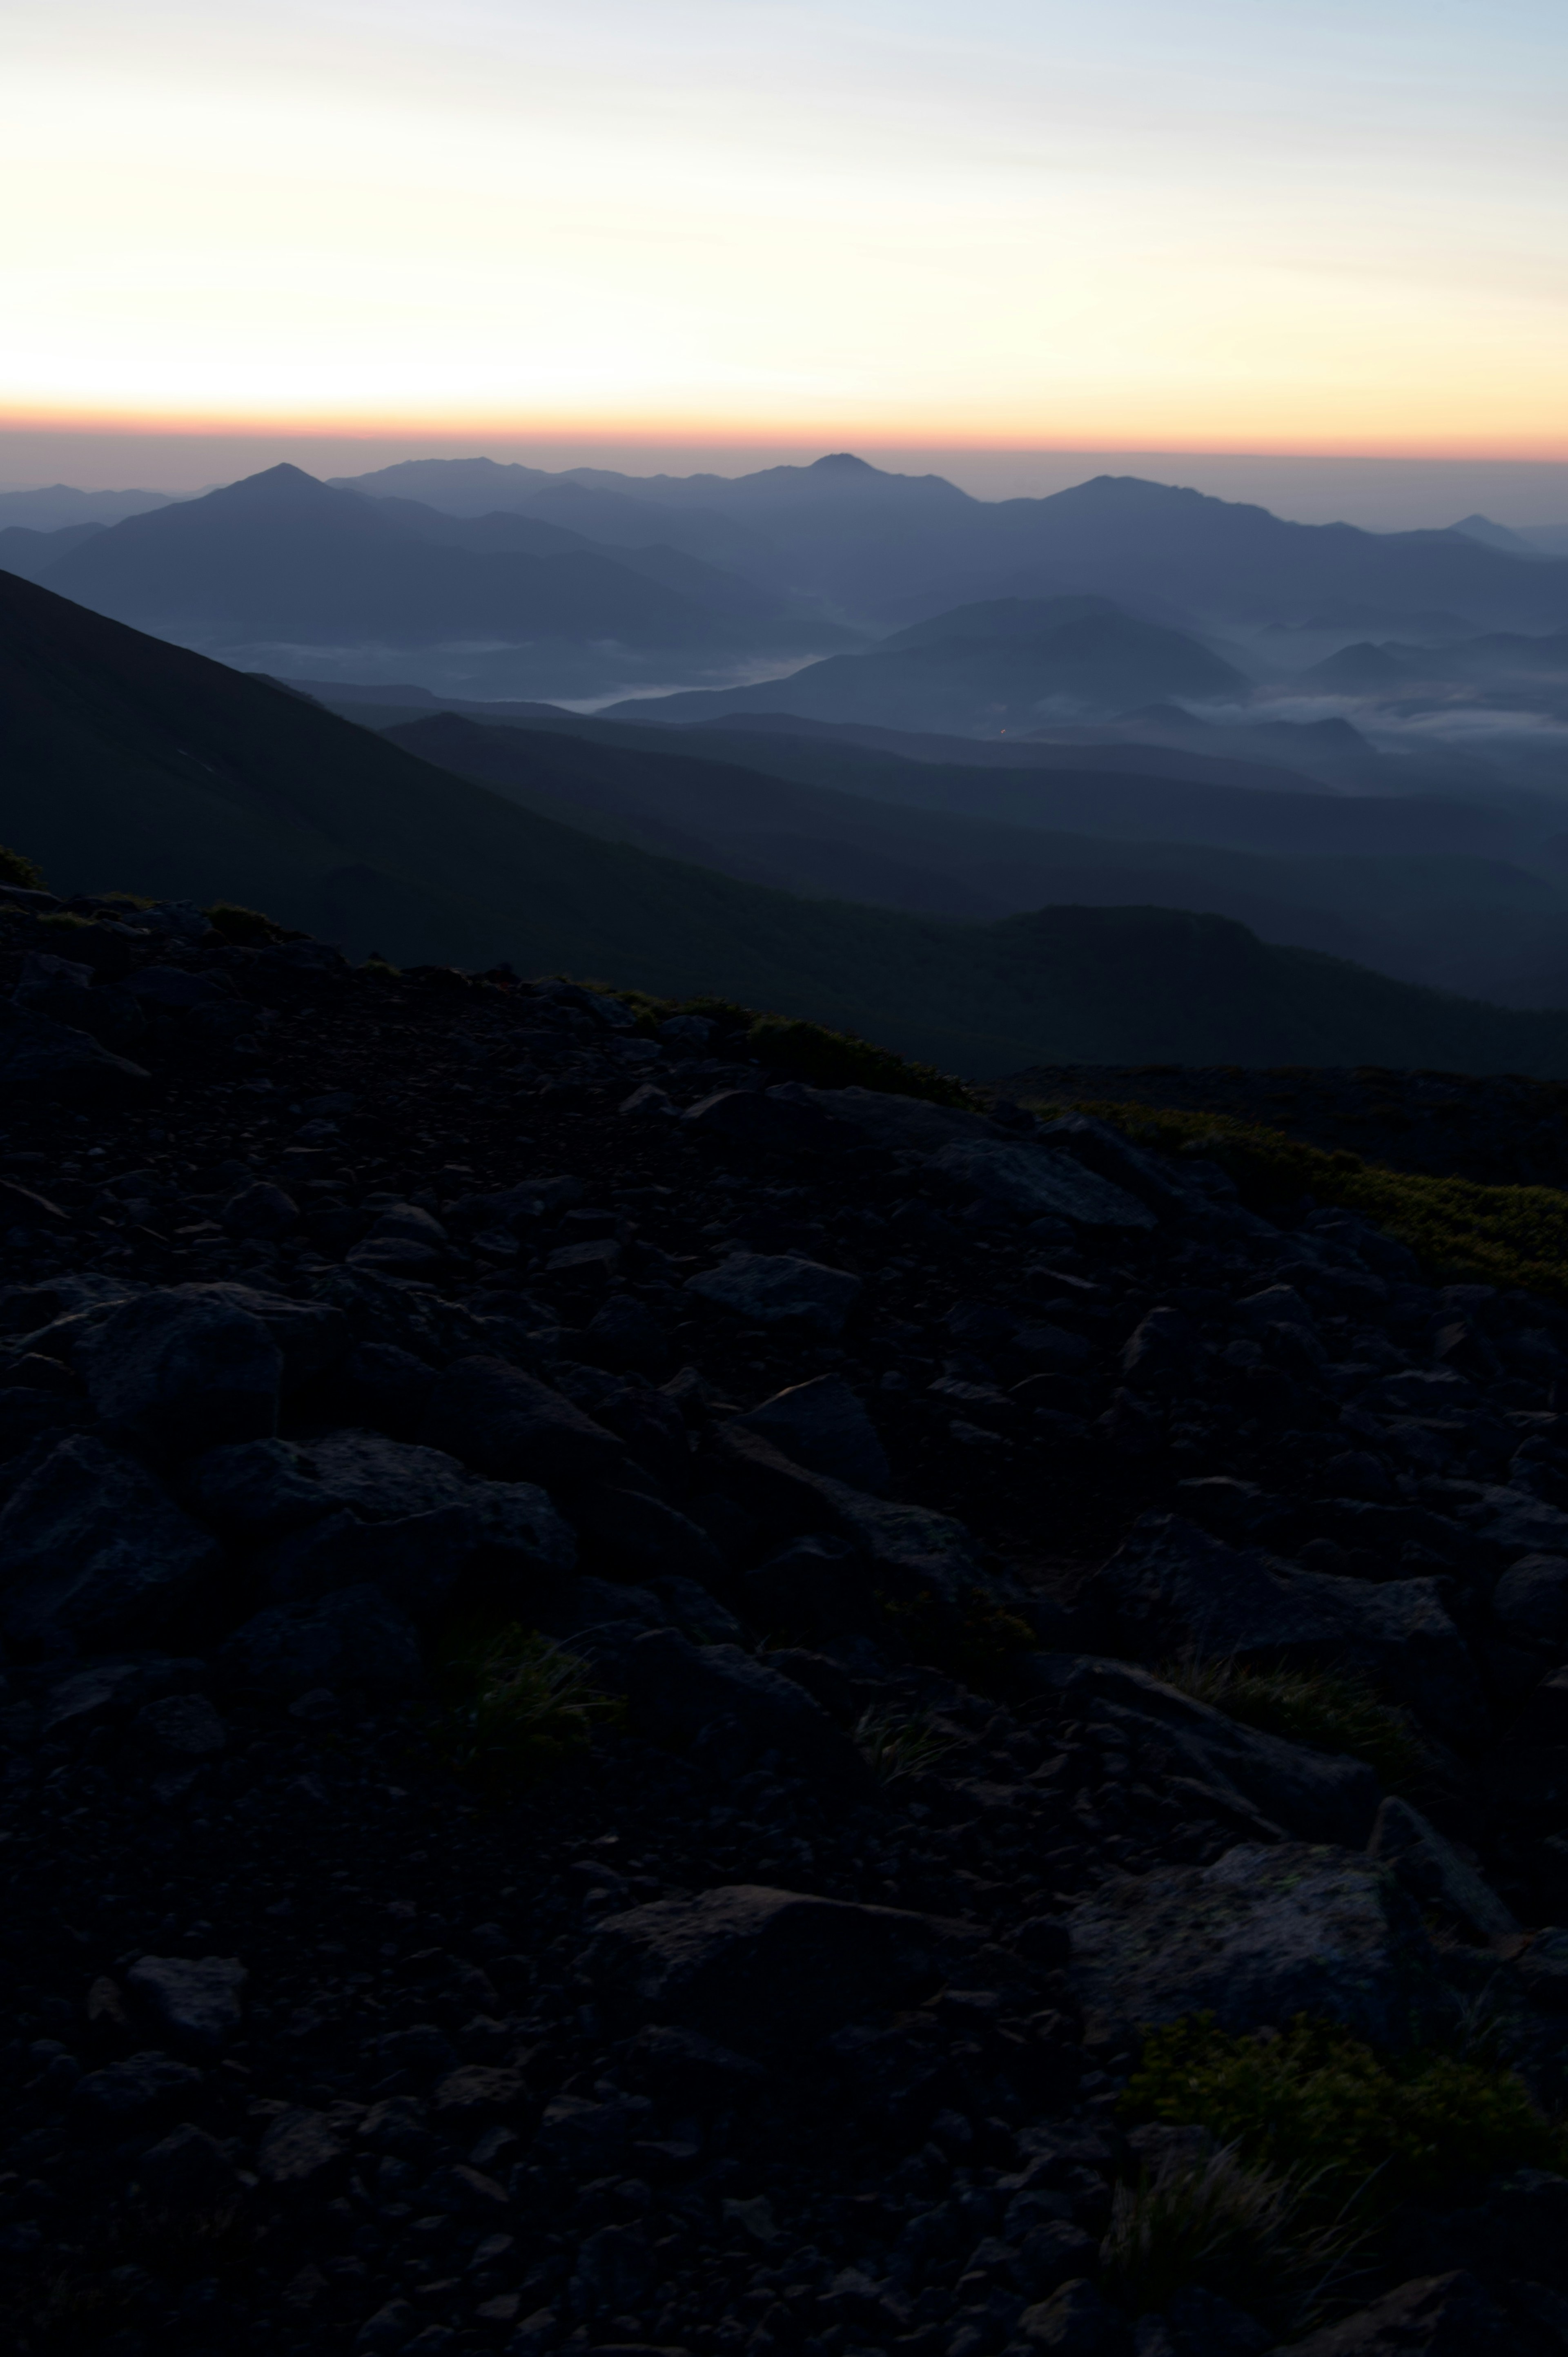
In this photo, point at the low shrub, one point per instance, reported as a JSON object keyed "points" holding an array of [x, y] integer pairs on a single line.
{"points": [[810, 1052], [16, 868], [1243, 2232], [520, 1707], [1354, 2126], [1332, 1711], [247, 927]]}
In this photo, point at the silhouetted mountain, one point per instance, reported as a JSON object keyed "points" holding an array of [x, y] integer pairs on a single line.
{"points": [[130, 762], [896, 547], [61, 504], [1494, 535], [614, 517], [985, 667], [283, 560], [33, 554]]}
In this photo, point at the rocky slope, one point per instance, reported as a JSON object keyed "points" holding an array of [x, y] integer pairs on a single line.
{"points": [[877, 1456]]}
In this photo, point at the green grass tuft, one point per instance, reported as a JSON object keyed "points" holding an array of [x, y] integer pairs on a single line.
{"points": [[1356, 2124], [810, 1052], [522, 1708], [1244, 2232], [247, 927], [894, 1743], [1332, 1711]]}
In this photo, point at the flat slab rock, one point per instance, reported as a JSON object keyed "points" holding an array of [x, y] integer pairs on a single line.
{"points": [[195, 2000], [752, 1967], [1262, 1934], [1039, 1182], [778, 1289], [1436, 2316], [1173, 1588]]}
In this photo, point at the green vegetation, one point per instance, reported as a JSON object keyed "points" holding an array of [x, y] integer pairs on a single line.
{"points": [[1332, 1710], [811, 1053], [16, 869], [1356, 2124], [895, 1744], [1463, 1232], [1244, 2232], [524, 1706], [247, 927]]}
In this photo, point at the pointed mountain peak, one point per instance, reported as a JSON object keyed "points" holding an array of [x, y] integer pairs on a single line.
{"points": [[274, 485], [843, 462]]}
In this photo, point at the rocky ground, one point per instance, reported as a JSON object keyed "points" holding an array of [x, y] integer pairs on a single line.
{"points": [[876, 1455], [1501, 1129]]}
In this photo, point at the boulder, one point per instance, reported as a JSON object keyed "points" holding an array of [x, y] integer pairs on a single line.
{"points": [[1530, 1600], [1544, 1969], [629, 1535], [765, 1121], [751, 1967], [1260, 1935], [39, 1058], [779, 1289], [357, 1637], [1075, 2322], [1438, 2316], [260, 1211], [182, 1726], [503, 1544], [1315, 1795], [912, 1552], [1172, 1588], [312, 1335], [816, 1588], [95, 1554], [128, 2095], [625, 1337], [1518, 1520], [1434, 1874], [898, 1125], [195, 2000], [823, 1426], [511, 1426], [179, 1373], [188, 2175], [1031, 1183], [677, 1689]]}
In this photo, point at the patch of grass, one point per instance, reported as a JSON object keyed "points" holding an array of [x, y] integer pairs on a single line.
{"points": [[521, 1706], [895, 1744], [16, 868], [247, 927], [1332, 1711], [1352, 2124], [1461, 1231], [1240, 2231], [64, 921], [810, 1052], [980, 1643]]}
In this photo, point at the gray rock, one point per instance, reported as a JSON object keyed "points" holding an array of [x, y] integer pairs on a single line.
{"points": [[750, 1966], [356, 1637], [261, 1209], [1544, 1969], [624, 1335], [197, 2001], [96, 1554], [1172, 1589], [900, 1124], [1434, 1874], [300, 2152], [1032, 1182], [629, 1535], [188, 2175], [1075, 2322], [1530, 1600], [503, 1545], [676, 1689], [822, 1424], [106, 1691], [1315, 1795], [255, 1490], [816, 1588], [912, 1551], [509, 1426], [184, 1727], [765, 1121], [179, 1373], [1438, 2316], [1517, 1520], [126, 2094], [588, 2139], [43, 1059], [311, 1335], [1263, 1934], [779, 1289]]}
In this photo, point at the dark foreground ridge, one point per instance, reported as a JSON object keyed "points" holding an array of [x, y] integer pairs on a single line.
{"points": [[904, 1477]]}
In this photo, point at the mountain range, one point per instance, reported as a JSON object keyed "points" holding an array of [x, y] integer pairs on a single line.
{"points": [[133, 762]]}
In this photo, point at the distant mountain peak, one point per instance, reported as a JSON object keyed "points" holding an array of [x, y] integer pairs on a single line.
{"points": [[843, 462], [283, 482]]}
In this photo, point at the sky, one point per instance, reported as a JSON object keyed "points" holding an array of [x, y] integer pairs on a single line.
{"points": [[1234, 226]]}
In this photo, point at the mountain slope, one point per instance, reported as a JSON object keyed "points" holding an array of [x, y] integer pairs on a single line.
{"points": [[984, 667], [131, 763]]}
